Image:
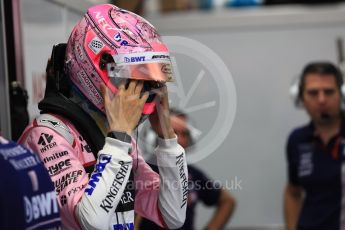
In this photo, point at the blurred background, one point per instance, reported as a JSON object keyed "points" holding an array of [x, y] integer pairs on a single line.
{"points": [[263, 43]]}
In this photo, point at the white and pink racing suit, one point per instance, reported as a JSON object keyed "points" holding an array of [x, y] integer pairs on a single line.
{"points": [[120, 184]]}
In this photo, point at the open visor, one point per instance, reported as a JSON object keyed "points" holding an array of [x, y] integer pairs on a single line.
{"points": [[151, 66]]}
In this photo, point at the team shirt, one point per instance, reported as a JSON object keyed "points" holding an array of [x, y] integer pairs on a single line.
{"points": [[319, 170], [27, 196]]}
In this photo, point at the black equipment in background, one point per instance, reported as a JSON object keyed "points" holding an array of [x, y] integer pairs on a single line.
{"points": [[18, 108]]}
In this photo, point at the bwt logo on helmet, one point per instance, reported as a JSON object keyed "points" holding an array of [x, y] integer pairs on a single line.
{"points": [[104, 159], [134, 59]]}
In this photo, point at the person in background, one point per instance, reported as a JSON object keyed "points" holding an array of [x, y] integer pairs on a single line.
{"points": [[27, 196], [201, 188], [314, 193], [107, 79]]}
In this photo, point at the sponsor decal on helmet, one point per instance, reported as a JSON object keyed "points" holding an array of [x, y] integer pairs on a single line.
{"points": [[146, 57], [118, 38], [96, 45], [102, 22], [87, 84], [162, 56], [134, 59], [79, 52]]}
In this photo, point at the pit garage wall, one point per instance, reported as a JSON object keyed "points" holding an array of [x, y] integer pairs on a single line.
{"points": [[5, 119], [45, 23]]}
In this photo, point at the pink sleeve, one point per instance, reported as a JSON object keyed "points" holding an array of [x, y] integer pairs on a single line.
{"points": [[64, 167]]}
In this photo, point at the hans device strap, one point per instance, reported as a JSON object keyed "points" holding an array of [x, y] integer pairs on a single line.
{"points": [[87, 127], [57, 81]]}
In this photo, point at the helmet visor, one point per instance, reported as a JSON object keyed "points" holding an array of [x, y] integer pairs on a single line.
{"points": [[151, 66]]}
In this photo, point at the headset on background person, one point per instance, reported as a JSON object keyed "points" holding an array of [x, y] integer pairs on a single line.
{"points": [[296, 89]]}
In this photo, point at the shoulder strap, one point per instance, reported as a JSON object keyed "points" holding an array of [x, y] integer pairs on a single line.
{"points": [[56, 124], [82, 121]]}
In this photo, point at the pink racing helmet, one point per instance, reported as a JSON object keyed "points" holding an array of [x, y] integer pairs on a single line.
{"points": [[109, 45]]}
